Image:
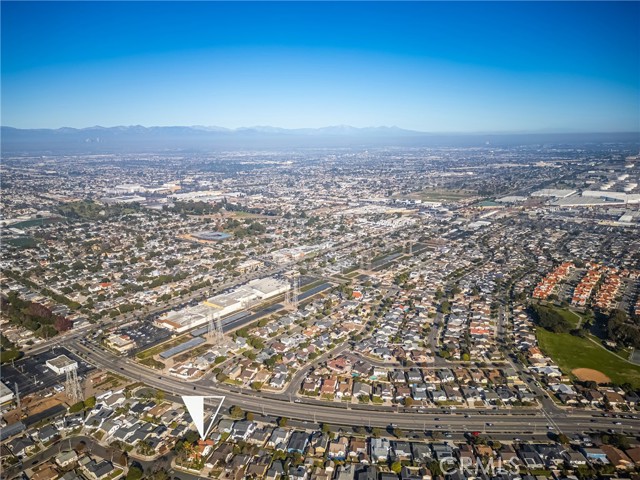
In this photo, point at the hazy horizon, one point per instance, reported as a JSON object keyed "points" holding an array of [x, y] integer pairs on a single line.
{"points": [[302, 129], [463, 67]]}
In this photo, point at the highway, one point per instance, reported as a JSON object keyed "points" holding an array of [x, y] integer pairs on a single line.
{"points": [[499, 421]]}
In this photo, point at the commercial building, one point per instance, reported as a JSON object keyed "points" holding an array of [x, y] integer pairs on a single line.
{"points": [[249, 266], [121, 343], [224, 304], [6, 395], [553, 192], [61, 364], [211, 236], [182, 320]]}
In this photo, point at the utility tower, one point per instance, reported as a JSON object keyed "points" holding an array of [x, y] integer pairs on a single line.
{"points": [[18, 397], [215, 329], [72, 384], [291, 296]]}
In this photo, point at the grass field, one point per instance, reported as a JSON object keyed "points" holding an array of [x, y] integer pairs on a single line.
{"points": [[441, 195], [22, 242], [36, 222], [571, 352], [571, 317]]}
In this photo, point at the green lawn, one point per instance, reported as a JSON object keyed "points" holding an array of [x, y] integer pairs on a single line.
{"points": [[571, 352], [36, 222], [571, 317]]}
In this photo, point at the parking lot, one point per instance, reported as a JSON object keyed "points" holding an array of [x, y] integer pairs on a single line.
{"points": [[31, 374], [145, 334]]}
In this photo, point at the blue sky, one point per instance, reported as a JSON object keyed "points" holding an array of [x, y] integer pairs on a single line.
{"points": [[429, 66]]}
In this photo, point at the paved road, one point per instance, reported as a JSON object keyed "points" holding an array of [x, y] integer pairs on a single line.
{"points": [[91, 445], [502, 420]]}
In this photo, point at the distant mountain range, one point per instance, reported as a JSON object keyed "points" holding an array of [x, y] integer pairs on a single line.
{"points": [[198, 138]]}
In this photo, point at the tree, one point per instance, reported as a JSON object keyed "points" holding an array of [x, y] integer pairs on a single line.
{"points": [[236, 412], [445, 307], [396, 467], [617, 440], [435, 469], [62, 324], [549, 319], [76, 407], [134, 473], [282, 421]]}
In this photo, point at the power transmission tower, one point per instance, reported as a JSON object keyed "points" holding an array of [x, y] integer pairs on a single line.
{"points": [[72, 385], [18, 398], [291, 296], [215, 329]]}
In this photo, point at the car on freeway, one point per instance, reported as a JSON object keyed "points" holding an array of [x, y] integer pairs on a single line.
{"points": [[489, 424], [617, 423]]}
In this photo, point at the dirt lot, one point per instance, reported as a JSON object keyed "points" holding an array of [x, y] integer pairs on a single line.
{"points": [[102, 381], [33, 404], [587, 374]]}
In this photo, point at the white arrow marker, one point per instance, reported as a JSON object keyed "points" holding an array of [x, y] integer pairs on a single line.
{"points": [[195, 407]]}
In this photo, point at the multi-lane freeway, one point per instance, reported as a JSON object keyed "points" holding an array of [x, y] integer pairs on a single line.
{"points": [[519, 423], [498, 422]]}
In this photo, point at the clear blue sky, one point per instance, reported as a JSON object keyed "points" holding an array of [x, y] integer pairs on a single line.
{"points": [[440, 67]]}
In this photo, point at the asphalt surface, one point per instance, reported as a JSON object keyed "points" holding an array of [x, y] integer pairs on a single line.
{"points": [[503, 421], [32, 375]]}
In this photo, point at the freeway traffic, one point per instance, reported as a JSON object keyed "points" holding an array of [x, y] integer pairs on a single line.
{"points": [[500, 421]]}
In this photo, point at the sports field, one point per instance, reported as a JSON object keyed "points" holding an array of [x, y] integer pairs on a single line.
{"points": [[571, 352]]}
